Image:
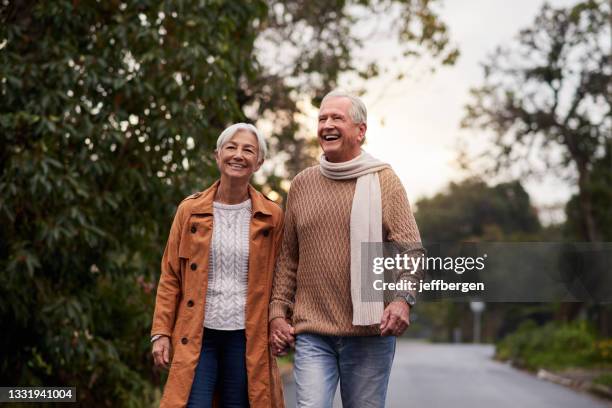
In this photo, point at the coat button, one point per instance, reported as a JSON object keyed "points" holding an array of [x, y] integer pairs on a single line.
{"points": [[184, 340], [266, 233], [193, 229], [190, 303], [194, 266]]}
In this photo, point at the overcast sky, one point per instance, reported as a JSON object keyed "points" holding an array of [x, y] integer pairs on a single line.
{"points": [[421, 115]]}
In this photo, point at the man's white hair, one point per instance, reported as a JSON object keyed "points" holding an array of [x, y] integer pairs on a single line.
{"points": [[358, 111], [230, 131]]}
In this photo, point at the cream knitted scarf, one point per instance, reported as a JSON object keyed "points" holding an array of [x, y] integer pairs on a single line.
{"points": [[366, 226]]}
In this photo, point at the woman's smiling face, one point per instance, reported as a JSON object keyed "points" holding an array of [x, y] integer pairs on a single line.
{"points": [[239, 156]]}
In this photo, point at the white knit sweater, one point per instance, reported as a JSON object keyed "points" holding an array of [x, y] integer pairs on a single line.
{"points": [[228, 266]]}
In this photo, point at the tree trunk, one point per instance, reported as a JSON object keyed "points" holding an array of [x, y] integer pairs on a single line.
{"points": [[589, 227], [569, 311]]}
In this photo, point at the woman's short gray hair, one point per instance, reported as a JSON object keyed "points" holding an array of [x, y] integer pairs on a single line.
{"points": [[230, 131], [358, 111]]}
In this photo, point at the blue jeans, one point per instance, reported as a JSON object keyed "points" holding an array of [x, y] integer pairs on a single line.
{"points": [[362, 364], [222, 365]]}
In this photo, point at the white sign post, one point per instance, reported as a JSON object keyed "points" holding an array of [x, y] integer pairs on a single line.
{"points": [[477, 308]]}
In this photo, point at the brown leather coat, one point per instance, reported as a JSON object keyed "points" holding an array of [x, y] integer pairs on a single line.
{"points": [[181, 296]]}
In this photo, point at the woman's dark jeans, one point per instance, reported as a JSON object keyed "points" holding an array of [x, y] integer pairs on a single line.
{"points": [[222, 366]]}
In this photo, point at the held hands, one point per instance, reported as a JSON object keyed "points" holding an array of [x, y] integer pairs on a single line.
{"points": [[395, 319], [161, 352], [282, 336]]}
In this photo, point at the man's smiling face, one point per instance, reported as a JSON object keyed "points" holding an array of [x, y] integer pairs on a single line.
{"points": [[339, 137]]}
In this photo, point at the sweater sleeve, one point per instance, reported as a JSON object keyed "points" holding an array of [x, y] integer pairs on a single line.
{"points": [[400, 228], [284, 284]]}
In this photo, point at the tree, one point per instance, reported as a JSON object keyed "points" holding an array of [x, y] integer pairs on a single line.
{"points": [[474, 211], [600, 190], [550, 94], [471, 210], [305, 46], [108, 116]]}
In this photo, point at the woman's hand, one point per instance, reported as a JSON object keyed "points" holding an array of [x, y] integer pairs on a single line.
{"points": [[161, 352], [282, 335]]}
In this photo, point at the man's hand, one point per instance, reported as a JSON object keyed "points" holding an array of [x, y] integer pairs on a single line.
{"points": [[161, 352], [396, 319], [282, 335]]}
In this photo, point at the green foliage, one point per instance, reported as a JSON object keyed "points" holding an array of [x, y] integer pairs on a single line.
{"points": [[107, 110], [436, 320], [287, 359], [108, 115], [600, 190], [604, 379], [471, 210], [552, 346]]}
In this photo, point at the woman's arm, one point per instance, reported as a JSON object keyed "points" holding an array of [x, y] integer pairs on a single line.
{"points": [[169, 287]]}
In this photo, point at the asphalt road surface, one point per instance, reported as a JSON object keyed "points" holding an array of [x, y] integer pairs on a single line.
{"points": [[447, 375]]}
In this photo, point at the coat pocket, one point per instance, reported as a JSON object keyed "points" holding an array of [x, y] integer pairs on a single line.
{"points": [[196, 235]]}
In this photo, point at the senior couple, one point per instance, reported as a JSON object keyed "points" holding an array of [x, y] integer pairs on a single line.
{"points": [[241, 283]]}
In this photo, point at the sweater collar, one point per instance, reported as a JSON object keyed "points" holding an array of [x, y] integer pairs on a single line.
{"points": [[204, 202]]}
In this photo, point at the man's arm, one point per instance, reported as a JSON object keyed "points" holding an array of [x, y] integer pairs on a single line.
{"points": [[401, 229], [284, 283], [283, 288]]}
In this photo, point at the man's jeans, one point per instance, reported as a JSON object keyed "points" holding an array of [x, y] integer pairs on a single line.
{"points": [[361, 363]]}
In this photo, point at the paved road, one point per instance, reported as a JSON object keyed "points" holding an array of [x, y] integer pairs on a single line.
{"points": [[446, 375]]}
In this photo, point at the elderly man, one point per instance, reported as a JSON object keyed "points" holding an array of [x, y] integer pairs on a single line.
{"points": [[317, 301]]}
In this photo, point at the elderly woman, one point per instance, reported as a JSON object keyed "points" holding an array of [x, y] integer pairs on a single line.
{"points": [[211, 312]]}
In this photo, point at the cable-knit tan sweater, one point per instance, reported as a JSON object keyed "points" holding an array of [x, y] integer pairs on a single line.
{"points": [[312, 278]]}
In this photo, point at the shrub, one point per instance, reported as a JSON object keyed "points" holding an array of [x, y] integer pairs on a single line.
{"points": [[604, 379], [554, 346]]}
